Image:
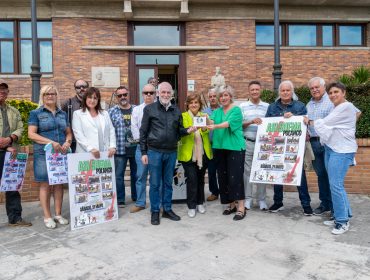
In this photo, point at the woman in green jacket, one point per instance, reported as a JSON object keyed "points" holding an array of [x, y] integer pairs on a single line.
{"points": [[229, 146], [194, 151]]}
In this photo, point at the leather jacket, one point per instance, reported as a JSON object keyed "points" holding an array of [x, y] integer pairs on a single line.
{"points": [[161, 129]]}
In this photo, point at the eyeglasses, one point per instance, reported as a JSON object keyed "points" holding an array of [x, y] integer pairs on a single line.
{"points": [[149, 92], [50, 94], [121, 95], [80, 87]]}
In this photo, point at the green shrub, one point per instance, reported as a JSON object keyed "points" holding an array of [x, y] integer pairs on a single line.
{"points": [[359, 76], [24, 107], [358, 94]]}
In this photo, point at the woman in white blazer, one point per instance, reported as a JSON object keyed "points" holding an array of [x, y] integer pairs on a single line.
{"points": [[92, 127]]}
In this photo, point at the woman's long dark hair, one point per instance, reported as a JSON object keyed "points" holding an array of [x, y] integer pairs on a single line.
{"points": [[90, 92]]}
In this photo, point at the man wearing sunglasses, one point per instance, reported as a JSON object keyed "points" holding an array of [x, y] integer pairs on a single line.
{"points": [[149, 95], [126, 146], [74, 103]]}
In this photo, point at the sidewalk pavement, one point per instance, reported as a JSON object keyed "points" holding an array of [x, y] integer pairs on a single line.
{"points": [[286, 245]]}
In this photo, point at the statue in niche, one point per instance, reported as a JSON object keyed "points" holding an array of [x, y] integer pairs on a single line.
{"points": [[218, 79]]}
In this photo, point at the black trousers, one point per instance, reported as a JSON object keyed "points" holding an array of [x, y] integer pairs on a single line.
{"points": [[230, 170], [12, 199], [195, 182]]}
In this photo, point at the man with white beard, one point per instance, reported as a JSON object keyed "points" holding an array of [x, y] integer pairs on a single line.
{"points": [[126, 147]]}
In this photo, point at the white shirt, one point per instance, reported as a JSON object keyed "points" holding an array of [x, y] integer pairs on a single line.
{"points": [[136, 117], [337, 130], [251, 111]]}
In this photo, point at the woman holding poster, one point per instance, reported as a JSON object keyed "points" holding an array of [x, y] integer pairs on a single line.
{"points": [[194, 151], [287, 105], [48, 125], [229, 146], [92, 127], [337, 133]]}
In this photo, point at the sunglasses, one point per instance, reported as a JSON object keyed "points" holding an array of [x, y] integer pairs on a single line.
{"points": [[122, 95], [149, 92], [80, 87], [50, 94]]}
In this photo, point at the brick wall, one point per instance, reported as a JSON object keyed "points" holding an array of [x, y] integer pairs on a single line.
{"points": [[238, 63], [299, 65]]}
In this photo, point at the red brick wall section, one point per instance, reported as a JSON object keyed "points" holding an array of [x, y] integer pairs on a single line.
{"points": [[237, 63], [70, 62], [301, 65]]}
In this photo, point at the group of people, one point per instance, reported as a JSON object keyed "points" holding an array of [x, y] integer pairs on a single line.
{"points": [[155, 134]]}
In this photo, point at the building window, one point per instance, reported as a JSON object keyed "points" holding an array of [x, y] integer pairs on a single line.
{"points": [[144, 34], [312, 35], [350, 35], [16, 46], [302, 35]]}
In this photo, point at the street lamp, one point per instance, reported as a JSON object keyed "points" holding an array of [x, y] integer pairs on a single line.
{"points": [[277, 73], [35, 67]]}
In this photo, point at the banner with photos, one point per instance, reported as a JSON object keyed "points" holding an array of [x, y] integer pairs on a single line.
{"points": [[56, 164], [279, 151], [13, 172], [92, 189]]}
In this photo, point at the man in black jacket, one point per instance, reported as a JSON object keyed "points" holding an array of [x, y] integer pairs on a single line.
{"points": [[161, 129]]}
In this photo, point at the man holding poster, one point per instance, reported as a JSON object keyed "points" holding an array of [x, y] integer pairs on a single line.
{"points": [[11, 128], [252, 110], [287, 105]]}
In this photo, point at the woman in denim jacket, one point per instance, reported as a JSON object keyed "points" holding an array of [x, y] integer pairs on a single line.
{"points": [[48, 124]]}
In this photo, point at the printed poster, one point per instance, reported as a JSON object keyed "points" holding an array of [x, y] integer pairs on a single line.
{"points": [[92, 189], [13, 172], [279, 151], [56, 164]]}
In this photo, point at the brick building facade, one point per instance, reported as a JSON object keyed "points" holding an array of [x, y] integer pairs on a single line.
{"points": [[219, 33]]}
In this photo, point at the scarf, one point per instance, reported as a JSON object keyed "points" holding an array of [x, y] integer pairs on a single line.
{"points": [[198, 149]]}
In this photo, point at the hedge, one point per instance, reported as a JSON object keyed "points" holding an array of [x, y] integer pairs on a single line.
{"points": [[24, 107], [359, 95]]}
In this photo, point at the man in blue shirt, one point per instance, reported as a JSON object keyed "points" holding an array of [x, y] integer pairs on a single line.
{"points": [[318, 108], [121, 120]]}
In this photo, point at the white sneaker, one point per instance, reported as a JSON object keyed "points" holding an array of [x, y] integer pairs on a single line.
{"points": [[61, 220], [263, 205], [340, 228], [248, 204], [330, 223], [192, 213], [201, 208], [49, 223]]}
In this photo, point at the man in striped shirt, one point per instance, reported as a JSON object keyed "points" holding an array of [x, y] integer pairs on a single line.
{"points": [[252, 110]]}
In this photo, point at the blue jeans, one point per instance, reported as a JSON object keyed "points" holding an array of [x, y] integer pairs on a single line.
{"points": [[120, 162], [212, 176], [322, 174], [141, 177], [337, 165], [304, 196], [161, 168]]}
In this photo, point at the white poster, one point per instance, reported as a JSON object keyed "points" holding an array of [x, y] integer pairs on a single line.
{"points": [[56, 164], [279, 151], [13, 172], [106, 77], [92, 189]]}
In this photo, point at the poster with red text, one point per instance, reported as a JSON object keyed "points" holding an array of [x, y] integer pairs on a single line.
{"points": [[92, 189], [279, 151], [13, 172]]}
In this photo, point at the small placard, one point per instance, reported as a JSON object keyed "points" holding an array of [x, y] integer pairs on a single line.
{"points": [[200, 121]]}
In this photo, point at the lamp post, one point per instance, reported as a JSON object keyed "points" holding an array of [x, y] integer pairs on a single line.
{"points": [[277, 73], [35, 67]]}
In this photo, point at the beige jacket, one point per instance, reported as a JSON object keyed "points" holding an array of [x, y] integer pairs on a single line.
{"points": [[15, 121]]}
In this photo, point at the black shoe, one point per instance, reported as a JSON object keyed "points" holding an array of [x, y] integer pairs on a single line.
{"points": [[320, 210], [155, 218], [240, 215], [276, 207], [307, 211], [170, 215], [229, 210], [121, 205]]}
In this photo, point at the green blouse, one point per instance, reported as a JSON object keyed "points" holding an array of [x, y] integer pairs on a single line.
{"points": [[230, 138]]}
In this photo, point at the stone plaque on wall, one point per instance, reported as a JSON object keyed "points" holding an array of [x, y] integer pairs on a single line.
{"points": [[105, 77]]}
